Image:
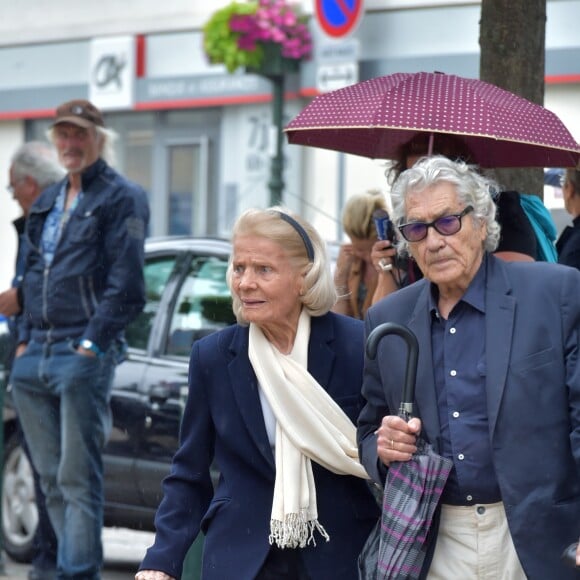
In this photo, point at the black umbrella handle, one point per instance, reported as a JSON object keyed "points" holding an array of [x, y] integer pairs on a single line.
{"points": [[408, 394]]}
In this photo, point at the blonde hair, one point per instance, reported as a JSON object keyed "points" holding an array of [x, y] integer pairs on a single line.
{"points": [[319, 291], [357, 215]]}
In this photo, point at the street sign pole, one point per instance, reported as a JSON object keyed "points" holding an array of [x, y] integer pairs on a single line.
{"points": [[276, 183], [338, 19]]}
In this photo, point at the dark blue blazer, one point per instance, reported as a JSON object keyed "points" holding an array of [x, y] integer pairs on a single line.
{"points": [[568, 245], [95, 285], [532, 378], [223, 421]]}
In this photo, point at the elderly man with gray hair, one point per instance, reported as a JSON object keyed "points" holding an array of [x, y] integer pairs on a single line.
{"points": [[83, 284], [33, 167], [498, 384]]}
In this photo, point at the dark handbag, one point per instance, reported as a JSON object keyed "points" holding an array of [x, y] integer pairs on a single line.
{"points": [[368, 559]]}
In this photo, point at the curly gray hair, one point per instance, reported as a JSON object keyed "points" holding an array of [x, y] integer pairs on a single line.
{"points": [[472, 189], [39, 161]]}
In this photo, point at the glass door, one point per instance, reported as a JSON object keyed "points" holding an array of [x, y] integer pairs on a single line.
{"points": [[187, 187]]}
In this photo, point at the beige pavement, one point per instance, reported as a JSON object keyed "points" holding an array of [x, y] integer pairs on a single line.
{"points": [[123, 550]]}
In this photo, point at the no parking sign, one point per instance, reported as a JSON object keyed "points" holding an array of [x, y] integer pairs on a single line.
{"points": [[338, 18]]}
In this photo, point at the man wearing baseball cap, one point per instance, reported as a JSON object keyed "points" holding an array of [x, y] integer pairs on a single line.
{"points": [[83, 284]]}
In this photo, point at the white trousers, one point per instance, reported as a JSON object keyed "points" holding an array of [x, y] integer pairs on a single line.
{"points": [[474, 542]]}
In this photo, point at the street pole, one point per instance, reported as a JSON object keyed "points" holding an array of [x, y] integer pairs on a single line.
{"points": [[276, 183], [275, 67], [341, 195]]}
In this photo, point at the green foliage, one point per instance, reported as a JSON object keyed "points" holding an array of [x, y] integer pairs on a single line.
{"points": [[221, 43]]}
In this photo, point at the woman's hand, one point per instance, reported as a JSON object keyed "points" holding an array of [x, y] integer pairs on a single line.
{"points": [[343, 264], [152, 575], [382, 254], [396, 439], [382, 257]]}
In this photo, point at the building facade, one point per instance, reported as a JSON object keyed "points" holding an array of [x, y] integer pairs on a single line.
{"points": [[199, 139]]}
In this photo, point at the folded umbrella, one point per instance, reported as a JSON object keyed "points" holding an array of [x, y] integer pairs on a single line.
{"points": [[412, 488]]}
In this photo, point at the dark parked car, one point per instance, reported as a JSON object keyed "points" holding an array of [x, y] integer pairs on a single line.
{"points": [[187, 298]]}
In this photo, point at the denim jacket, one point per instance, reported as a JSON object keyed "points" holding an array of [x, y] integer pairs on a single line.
{"points": [[94, 286]]}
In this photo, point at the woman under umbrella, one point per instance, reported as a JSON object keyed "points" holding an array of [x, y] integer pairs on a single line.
{"points": [[272, 400]]}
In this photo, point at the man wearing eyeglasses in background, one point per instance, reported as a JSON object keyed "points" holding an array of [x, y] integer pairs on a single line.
{"points": [[33, 167], [498, 383]]}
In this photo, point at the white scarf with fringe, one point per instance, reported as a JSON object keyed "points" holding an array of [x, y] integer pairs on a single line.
{"points": [[309, 426]]}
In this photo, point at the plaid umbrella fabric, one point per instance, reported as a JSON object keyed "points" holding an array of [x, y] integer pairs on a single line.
{"points": [[412, 488], [374, 118], [412, 492]]}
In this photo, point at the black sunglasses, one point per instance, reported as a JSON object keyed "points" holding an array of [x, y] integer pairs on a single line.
{"points": [[446, 225]]}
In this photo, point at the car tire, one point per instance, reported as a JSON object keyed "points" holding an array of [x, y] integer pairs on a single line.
{"points": [[19, 511]]}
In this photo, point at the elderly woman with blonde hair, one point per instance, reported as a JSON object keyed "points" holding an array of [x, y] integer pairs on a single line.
{"points": [[360, 279], [273, 401]]}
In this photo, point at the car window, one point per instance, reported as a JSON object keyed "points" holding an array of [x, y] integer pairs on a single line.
{"points": [[157, 272], [203, 305]]}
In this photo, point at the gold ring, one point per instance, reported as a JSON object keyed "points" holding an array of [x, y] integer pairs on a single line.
{"points": [[392, 444]]}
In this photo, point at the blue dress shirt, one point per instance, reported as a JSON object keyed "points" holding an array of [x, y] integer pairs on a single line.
{"points": [[460, 372]]}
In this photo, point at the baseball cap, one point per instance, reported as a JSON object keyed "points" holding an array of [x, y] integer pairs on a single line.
{"points": [[79, 112]]}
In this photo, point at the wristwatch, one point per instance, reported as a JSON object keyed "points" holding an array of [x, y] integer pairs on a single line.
{"points": [[384, 265], [90, 345]]}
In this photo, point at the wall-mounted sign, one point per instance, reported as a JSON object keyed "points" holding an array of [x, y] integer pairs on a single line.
{"points": [[338, 18], [330, 77], [112, 72]]}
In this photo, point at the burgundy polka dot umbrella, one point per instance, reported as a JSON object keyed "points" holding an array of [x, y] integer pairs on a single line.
{"points": [[374, 118]]}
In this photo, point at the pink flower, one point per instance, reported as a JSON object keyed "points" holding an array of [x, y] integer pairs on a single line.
{"points": [[241, 23], [278, 36], [274, 21], [289, 18], [246, 43]]}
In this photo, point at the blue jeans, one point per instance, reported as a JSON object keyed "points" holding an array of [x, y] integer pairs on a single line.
{"points": [[44, 543], [62, 400]]}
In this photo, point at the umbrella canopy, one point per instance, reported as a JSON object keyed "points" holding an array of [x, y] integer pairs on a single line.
{"points": [[412, 488], [374, 118]]}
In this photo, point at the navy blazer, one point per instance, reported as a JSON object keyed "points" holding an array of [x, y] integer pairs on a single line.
{"points": [[532, 314], [568, 245], [223, 421]]}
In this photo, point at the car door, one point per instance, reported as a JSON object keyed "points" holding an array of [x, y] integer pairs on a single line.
{"points": [[123, 500], [201, 305]]}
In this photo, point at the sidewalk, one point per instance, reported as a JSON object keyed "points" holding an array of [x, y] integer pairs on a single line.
{"points": [[123, 548]]}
